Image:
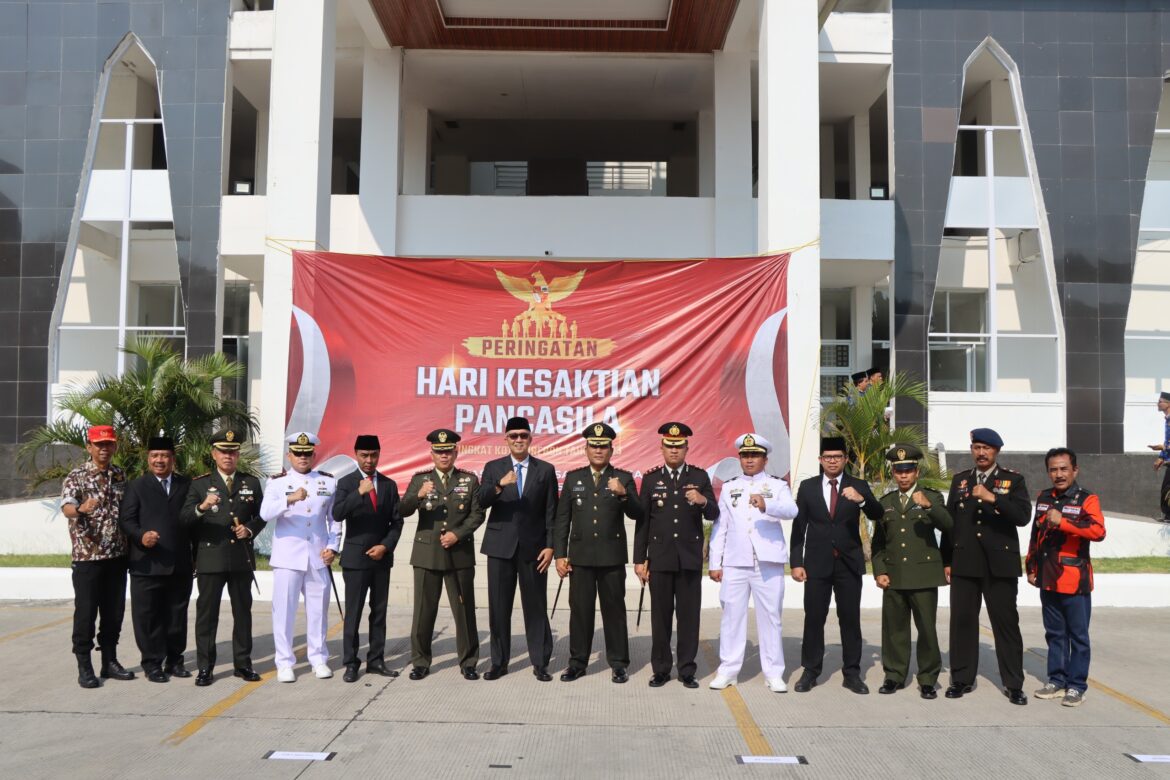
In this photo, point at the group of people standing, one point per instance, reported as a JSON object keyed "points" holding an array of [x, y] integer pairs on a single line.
{"points": [[174, 526]]}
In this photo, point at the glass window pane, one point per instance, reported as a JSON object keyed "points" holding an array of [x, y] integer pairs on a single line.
{"points": [[157, 306], [881, 314], [968, 312], [836, 315], [938, 312], [235, 309], [948, 368]]}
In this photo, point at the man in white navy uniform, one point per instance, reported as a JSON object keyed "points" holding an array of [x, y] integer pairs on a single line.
{"points": [[747, 556], [298, 505]]}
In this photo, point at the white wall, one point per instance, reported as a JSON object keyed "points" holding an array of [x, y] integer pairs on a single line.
{"points": [[1030, 422]]}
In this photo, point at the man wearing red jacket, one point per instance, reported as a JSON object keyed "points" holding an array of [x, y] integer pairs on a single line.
{"points": [[1068, 518]]}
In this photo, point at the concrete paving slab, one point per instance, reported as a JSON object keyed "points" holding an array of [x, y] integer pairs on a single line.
{"points": [[445, 726]]}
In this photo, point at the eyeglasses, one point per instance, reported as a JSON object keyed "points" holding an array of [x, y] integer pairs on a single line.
{"points": [[519, 436], [832, 457]]}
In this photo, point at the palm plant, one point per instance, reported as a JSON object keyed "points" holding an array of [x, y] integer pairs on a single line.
{"points": [[160, 392]]}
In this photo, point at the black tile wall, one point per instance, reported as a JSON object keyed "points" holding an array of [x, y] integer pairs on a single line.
{"points": [[51, 58], [1091, 73]]}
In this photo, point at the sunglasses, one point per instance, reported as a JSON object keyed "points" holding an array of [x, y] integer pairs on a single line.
{"points": [[519, 436]]}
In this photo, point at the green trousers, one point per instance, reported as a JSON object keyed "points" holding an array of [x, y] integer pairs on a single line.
{"points": [[428, 586], [897, 608]]}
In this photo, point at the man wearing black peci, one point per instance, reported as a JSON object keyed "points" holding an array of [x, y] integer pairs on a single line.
{"points": [[521, 493], [826, 555], [982, 561], [668, 552]]}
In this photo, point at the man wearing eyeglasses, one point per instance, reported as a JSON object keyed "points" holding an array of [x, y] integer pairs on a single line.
{"points": [[521, 493]]}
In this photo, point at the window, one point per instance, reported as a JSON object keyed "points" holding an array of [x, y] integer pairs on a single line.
{"points": [[160, 313], [958, 341], [836, 341], [235, 332]]}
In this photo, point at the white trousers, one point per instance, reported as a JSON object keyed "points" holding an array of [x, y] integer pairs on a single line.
{"points": [[765, 584], [287, 587]]}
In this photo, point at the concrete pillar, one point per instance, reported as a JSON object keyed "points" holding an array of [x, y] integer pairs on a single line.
{"points": [[260, 185], [734, 206], [789, 206], [378, 190], [859, 173], [828, 162], [416, 149], [299, 162], [706, 144], [862, 327]]}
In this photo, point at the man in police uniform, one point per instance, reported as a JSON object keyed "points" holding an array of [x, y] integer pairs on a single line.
{"points": [[668, 543], [589, 542], [299, 504], [222, 512], [444, 552], [367, 504], [908, 566], [1163, 459], [747, 555], [982, 558]]}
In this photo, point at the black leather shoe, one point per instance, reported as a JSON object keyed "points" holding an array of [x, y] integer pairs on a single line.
{"points": [[889, 686], [571, 674], [351, 673], [927, 692], [619, 675], [112, 670], [470, 674], [805, 684], [856, 685], [204, 678], [85, 676], [657, 681], [688, 681], [956, 691], [541, 673], [178, 670], [1015, 695], [417, 673], [381, 669], [157, 676], [495, 673], [247, 674]]}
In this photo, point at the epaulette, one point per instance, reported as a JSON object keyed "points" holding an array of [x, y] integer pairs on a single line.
{"points": [[326, 474], [421, 473], [773, 476], [1010, 471], [888, 493], [733, 479], [278, 476], [659, 467], [201, 476]]}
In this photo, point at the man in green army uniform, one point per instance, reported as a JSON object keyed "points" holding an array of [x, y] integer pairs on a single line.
{"points": [[222, 513], [907, 565], [589, 542], [444, 552]]}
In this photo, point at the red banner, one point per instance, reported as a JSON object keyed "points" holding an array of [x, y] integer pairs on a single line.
{"points": [[400, 346]]}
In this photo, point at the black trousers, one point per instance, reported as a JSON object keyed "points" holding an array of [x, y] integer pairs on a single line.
{"points": [[158, 606], [503, 576], [1000, 595], [360, 583], [1164, 496], [587, 584], [239, 588], [428, 586], [670, 590], [845, 584], [99, 587]]}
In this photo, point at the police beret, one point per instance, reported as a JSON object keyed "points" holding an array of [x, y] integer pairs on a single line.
{"points": [[599, 434], [443, 439], [988, 437]]}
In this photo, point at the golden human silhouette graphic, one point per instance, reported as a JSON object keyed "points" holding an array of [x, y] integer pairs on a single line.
{"points": [[540, 294]]}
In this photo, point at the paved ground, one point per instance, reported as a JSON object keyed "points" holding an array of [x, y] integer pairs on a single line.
{"points": [[445, 726]]}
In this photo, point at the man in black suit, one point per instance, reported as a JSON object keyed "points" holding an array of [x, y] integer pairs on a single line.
{"points": [[826, 556], [160, 562], [222, 513], [668, 543], [521, 492], [982, 562], [367, 503]]}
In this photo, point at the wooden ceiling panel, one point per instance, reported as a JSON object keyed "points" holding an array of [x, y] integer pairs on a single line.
{"points": [[693, 26]]}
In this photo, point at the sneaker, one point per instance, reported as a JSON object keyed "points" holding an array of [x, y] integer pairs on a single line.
{"points": [[286, 674], [720, 682], [322, 671], [1050, 691], [776, 685], [1073, 698]]}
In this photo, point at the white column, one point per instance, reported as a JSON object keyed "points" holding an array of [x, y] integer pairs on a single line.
{"points": [[790, 207], [859, 174], [734, 205], [378, 189], [863, 328], [416, 149], [299, 168], [706, 153], [827, 162]]}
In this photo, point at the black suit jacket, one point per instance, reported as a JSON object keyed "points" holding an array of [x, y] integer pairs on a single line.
{"points": [[815, 535], [146, 507], [984, 539], [670, 532], [518, 524], [365, 526], [217, 551]]}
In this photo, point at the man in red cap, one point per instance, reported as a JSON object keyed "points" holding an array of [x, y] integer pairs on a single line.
{"points": [[90, 499]]}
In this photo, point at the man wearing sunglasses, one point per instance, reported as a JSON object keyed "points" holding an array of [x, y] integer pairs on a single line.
{"points": [[521, 493]]}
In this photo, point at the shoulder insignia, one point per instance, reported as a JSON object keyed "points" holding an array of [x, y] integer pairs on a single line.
{"points": [[1009, 471], [773, 476], [659, 467], [202, 476], [733, 479], [888, 494], [422, 473], [326, 474], [278, 476]]}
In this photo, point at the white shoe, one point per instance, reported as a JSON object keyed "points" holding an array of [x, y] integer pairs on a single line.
{"points": [[322, 671], [286, 674], [720, 682], [776, 685]]}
